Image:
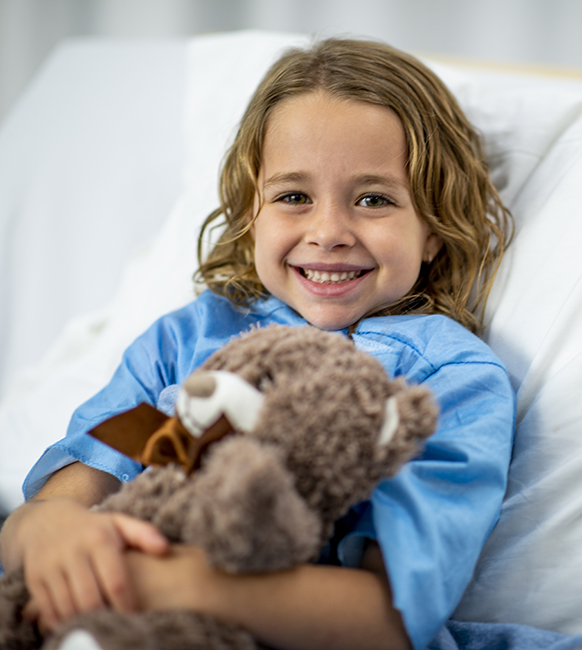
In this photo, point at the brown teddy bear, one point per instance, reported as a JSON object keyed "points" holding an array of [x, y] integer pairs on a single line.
{"points": [[275, 438]]}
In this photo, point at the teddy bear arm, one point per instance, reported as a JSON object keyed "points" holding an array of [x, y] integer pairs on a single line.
{"points": [[149, 496]]}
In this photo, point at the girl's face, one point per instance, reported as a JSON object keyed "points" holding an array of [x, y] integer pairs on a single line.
{"points": [[337, 235]]}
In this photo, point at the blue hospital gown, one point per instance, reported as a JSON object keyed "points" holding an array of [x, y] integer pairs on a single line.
{"points": [[432, 519]]}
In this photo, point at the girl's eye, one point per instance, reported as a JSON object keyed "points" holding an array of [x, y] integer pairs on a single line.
{"points": [[294, 198], [374, 201]]}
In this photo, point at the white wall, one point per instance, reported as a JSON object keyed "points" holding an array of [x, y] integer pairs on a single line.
{"points": [[520, 31]]}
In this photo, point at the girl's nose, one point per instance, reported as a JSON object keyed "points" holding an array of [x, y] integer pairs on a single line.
{"points": [[329, 227]]}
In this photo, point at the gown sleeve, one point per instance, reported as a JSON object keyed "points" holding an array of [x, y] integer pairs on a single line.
{"points": [[433, 518], [153, 362]]}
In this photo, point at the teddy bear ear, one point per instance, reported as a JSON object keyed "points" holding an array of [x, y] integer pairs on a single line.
{"points": [[391, 421]]}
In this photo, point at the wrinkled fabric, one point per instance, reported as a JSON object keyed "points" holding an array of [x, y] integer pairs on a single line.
{"points": [[495, 636]]}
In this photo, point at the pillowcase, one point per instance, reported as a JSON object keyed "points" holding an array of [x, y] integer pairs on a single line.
{"points": [[531, 566]]}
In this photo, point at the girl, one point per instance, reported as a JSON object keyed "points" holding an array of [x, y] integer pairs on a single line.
{"points": [[356, 198]]}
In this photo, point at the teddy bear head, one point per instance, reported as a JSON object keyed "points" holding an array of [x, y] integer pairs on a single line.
{"points": [[339, 422], [302, 426]]}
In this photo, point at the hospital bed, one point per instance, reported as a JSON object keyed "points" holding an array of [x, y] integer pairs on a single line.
{"points": [[108, 165]]}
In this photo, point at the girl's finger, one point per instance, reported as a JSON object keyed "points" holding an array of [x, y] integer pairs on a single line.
{"points": [[111, 573], [53, 600], [61, 597], [140, 535], [32, 614], [85, 586], [31, 611]]}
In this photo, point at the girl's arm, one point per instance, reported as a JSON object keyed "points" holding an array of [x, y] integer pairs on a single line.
{"points": [[307, 608], [73, 558]]}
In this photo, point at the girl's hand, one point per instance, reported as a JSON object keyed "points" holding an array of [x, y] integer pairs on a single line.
{"points": [[74, 558]]}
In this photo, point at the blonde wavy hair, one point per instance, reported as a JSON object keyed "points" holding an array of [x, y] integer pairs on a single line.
{"points": [[448, 175]]}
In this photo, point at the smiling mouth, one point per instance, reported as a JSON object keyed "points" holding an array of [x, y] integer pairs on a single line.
{"points": [[331, 277]]}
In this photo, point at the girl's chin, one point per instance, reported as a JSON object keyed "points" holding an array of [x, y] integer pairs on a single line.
{"points": [[330, 322]]}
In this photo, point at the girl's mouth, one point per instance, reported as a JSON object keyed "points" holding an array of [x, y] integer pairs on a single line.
{"points": [[331, 277]]}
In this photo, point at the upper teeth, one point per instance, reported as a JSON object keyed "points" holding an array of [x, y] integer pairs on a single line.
{"points": [[324, 276]]}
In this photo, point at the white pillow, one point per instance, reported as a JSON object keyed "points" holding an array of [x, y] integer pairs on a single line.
{"points": [[531, 566], [90, 162]]}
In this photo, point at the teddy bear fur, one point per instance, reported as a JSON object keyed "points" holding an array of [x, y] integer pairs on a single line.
{"points": [[266, 500]]}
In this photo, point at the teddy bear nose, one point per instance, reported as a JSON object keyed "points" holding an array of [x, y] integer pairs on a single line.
{"points": [[206, 396], [200, 385]]}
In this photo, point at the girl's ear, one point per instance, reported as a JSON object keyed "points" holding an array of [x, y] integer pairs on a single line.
{"points": [[432, 246]]}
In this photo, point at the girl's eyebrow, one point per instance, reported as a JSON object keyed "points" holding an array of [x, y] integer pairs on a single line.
{"points": [[373, 179], [289, 177]]}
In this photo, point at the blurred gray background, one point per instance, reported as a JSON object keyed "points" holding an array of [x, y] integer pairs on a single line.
{"points": [[546, 32]]}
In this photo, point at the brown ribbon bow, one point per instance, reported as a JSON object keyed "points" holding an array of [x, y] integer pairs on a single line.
{"points": [[152, 438]]}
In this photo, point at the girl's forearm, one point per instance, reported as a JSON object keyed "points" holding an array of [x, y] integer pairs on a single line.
{"points": [[307, 608], [316, 607]]}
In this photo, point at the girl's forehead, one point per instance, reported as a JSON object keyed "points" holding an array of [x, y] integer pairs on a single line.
{"points": [[316, 128], [300, 105]]}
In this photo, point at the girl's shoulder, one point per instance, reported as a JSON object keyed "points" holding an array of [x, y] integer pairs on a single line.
{"points": [[425, 343], [210, 310], [189, 335]]}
